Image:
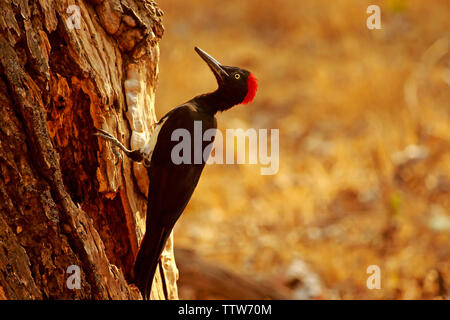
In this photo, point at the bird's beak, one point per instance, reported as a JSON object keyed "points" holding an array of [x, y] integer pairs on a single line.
{"points": [[213, 64]]}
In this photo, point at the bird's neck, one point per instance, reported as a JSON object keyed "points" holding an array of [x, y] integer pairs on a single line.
{"points": [[213, 102]]}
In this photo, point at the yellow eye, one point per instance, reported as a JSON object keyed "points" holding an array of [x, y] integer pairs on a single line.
{"points": [[237, 76]]}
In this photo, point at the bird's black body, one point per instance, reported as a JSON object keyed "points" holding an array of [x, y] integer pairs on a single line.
{"points": [[171, 185]]}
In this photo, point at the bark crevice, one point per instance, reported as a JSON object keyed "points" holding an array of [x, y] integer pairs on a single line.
{"points": [[63, 201]]}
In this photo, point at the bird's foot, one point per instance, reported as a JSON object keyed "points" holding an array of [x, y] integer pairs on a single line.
{"points": [[115, 144], [135, 155]]}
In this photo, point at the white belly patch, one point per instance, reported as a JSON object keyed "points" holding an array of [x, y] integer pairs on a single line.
{"points": [[149, 146]]}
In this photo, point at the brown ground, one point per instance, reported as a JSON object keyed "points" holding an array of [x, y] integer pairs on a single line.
{"points": [[347, 194]]}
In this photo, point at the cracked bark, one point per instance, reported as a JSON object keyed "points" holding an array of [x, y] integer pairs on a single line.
{"points": [[63, 201]]}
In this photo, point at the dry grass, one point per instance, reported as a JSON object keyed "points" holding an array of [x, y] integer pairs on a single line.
{"points": [[343, 198]]}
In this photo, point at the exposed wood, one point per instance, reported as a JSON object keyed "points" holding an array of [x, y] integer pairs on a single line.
{"points": [[63, 200]]}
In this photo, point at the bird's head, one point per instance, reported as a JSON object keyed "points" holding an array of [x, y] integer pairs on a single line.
{"points": [[236, 85]]}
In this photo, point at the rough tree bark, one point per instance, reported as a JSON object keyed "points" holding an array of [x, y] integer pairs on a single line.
{"points": [[66, 68]]}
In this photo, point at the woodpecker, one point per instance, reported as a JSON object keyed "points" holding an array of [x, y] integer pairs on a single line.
{"points": [[171, 185]]}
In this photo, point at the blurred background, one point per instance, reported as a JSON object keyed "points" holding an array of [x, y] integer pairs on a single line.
{"points": [[364, 120]]}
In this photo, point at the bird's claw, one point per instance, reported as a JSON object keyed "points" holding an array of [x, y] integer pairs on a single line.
{"points": [[106, 135], [117, 154], [115, 143]]}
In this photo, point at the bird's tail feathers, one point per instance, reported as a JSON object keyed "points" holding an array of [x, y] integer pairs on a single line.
{"points": [[147, 259]]}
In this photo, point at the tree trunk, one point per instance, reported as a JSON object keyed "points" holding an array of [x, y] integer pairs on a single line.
{"points": [[68, 67]]}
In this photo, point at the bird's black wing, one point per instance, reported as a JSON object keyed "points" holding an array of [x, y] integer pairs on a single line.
{"points": [[171, 187]]}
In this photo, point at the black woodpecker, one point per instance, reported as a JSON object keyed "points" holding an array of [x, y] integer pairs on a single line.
{"points": [[171, 185]]}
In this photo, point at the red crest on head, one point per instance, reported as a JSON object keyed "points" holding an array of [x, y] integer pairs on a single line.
{"points": [[252, 86]]}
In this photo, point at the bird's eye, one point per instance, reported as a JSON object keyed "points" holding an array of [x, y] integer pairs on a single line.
{"points": [[237, 76]]}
